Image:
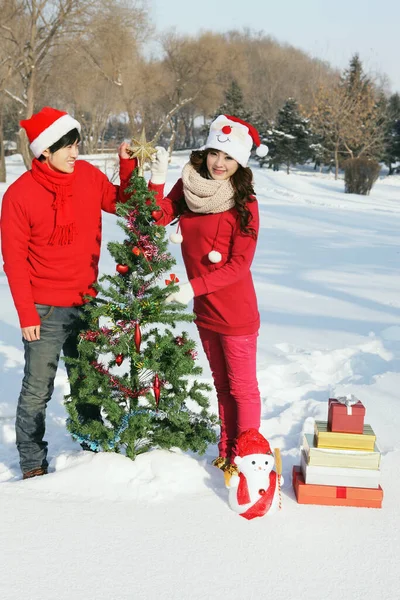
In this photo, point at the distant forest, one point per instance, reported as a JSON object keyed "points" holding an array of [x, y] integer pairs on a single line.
{"points": [[93, 60]]}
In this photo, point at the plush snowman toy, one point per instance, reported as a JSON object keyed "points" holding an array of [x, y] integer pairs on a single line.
{"points": [[256, 490]]}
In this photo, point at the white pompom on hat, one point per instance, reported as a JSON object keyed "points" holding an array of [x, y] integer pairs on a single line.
{"points": [[235, 137], [46, 127]]}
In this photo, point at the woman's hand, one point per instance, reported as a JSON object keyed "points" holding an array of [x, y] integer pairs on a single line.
{"points": [[183, 295], [159, 166]]}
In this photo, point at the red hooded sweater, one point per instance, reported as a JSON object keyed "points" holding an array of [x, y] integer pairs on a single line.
{"points": [[57, 275], [225, 299]]}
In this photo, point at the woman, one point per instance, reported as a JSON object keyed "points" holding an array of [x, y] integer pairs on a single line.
{"points": [[218, 219]]}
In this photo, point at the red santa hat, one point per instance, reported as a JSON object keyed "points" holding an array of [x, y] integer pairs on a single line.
{"points": [[235, 137], [46, 127], [252, 442]]}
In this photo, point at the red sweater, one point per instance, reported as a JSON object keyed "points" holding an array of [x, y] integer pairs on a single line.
{"points": [[55, 275], [225, 299]]}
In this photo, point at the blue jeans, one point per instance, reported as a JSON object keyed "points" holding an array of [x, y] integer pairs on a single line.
{"points": [[59, 331]]}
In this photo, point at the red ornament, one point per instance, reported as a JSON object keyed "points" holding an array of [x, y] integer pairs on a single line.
{"points": [[119, 359], [138, 337], [156, 389], [226, 129], [157, 214], [173, 279], [136, 251], [122, 269], [179, 341]]}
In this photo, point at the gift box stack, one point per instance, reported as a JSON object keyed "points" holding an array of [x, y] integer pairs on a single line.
{"points": [[340, 463]]}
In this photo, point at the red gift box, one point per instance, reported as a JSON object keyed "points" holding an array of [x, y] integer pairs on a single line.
{"points": [[345, 419]]}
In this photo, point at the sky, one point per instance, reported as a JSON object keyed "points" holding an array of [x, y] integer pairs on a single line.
{"points": [[101, 527], [331, 32]]}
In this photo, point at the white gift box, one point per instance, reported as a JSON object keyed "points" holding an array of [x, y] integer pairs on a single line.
{"points": [[339, 476]]}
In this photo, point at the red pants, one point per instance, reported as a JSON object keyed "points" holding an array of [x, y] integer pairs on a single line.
{"points": [[232, 361]]}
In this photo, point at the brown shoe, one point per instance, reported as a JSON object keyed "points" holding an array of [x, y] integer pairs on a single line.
{"points": [[34, 473]]}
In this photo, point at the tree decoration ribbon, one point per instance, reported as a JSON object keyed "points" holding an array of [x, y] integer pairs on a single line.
{"points": [[95, 445], [144, 246], [117, 384], [348, 401]]}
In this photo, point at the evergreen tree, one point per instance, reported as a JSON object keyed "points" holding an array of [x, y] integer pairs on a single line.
{"points": [[290, 137], [131, 365], [234, 104], [364, 134], [322, 151], [392, 133], [354, 79], [264, 129]]}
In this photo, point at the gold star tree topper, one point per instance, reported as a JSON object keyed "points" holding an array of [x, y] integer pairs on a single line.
{"points": [[142, 150]]}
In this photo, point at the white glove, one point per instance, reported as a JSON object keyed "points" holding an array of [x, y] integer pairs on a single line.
{"points": [[159, 166], [184, 295]]}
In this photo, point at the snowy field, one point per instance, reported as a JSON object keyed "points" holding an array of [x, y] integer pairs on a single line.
{"points": [[101, 527]]}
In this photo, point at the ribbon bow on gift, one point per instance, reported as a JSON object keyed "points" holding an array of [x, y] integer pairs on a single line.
{"points": [[348, 401], [174, 279]]}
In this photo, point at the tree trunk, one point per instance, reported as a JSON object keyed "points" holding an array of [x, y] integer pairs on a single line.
{"points": [[336, 161], [23, 148], [22, 139], [172, 142]]}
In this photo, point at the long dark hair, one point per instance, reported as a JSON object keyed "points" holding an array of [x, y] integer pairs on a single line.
{"points": [[242, 183]]}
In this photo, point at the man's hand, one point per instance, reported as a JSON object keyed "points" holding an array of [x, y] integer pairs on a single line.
{"points": [[31, 334], [184, 294], [122, 153], [159, 166]]}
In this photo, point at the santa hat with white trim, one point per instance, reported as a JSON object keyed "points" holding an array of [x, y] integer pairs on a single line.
{"points": [[46, 127], [235, 137]]}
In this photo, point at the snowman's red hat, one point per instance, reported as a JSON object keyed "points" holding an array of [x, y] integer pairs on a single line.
{"points": [[252, 442], [235, 137]]}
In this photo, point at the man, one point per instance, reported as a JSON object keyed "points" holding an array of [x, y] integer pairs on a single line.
{"points": [[51, 236]]}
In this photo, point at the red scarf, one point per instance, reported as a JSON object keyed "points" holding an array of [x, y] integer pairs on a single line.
{"points": [[263, 504], [60, 184]]}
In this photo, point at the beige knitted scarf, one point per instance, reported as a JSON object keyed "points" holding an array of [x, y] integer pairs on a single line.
{"points": [[206, 195]]}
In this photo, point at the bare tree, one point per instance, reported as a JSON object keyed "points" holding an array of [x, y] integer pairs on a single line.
{"points": [[350, 123], [112, 51], [32, 27]]}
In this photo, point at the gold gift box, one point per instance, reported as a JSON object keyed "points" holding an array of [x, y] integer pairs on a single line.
{"points": [[345, 441], [334, 457]]}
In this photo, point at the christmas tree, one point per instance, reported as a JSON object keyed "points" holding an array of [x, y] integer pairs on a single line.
{"points": [[132, 368]]}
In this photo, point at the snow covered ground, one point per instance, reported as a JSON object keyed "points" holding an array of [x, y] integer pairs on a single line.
{"points": [[101, 527]]}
